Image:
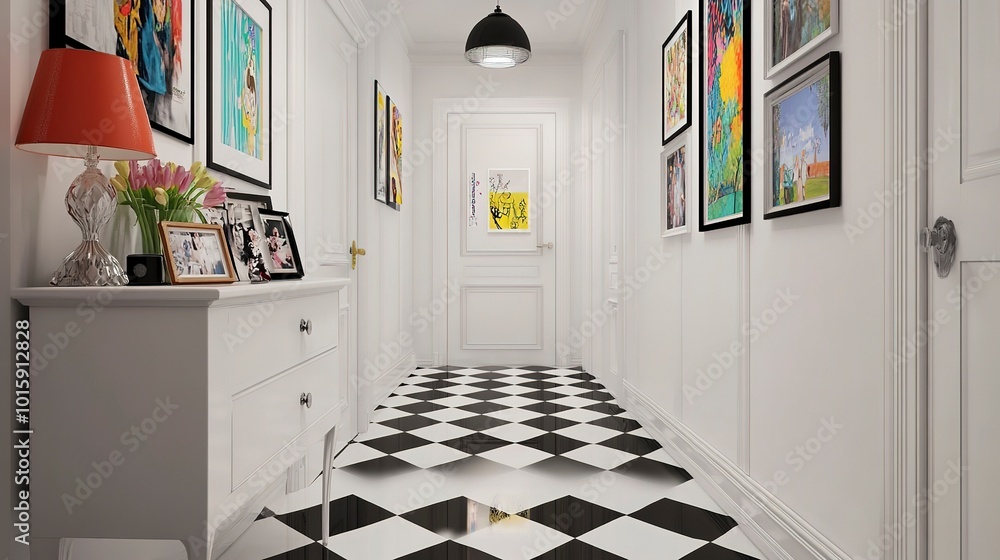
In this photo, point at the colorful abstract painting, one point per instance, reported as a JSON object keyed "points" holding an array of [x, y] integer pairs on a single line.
{"points": [[804, 141], [677, 80], [673, 194], [725, 182], [510, 200], [395, 186], [154, 35], [240, 86], [797, 26], [381, 144]]}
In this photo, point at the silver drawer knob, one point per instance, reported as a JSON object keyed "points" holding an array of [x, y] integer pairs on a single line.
{"points": [[306, 326], [306, 399]]}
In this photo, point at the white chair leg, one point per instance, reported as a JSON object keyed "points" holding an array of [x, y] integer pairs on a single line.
{"points": [[328, 444]]}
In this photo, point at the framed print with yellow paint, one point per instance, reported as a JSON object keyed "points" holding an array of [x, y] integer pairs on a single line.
{"points": [[239, 89], [725, 131], [510, 200]]}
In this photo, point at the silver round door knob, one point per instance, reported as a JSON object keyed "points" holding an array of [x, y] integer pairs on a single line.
{"points": [[306, 399], [306, 326]]}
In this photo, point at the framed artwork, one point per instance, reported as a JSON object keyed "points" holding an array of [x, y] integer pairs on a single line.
{"points": [[394, 182], [803, 140], [676, 81], [674, 189], [381, 144], [725, 133], [196, 253], [510, 200], [239, 89], [283, 260], [218, 216], [246, 234], [155, 35], [795, 28]]}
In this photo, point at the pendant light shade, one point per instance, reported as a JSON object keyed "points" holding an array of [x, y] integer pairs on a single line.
{"points": [[498, 41]]}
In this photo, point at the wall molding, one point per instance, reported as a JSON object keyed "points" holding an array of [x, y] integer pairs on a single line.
{"points": [[391, 378], [905, 131], [772, 526]]}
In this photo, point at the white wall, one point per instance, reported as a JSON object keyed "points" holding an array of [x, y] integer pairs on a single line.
{"points": [[822, 359], [465, 81]]}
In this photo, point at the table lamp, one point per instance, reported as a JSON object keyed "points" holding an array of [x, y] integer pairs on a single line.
{"points": [[86, 104]]}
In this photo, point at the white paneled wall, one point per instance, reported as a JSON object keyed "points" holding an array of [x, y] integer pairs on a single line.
{"points": [[803, 298]]}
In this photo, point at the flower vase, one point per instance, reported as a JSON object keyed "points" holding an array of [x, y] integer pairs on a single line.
{"points": [[148, 267]]}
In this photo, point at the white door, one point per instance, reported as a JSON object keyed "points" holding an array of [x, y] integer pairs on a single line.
{"points": [[964, 312], [501, 239], [322, 162]]}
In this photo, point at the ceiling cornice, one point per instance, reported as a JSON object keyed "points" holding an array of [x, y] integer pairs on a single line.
{"points": [[594, 17]]}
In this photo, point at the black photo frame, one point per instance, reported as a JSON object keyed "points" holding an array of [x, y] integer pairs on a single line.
{"points": [[221, 156], [154, 101], [281, 251], [788, 179], [682, 32], [243, 253], [743, 171]]}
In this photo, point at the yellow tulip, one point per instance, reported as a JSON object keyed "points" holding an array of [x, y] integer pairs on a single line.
{"points": [[160, 196], [118, 183], [196, 168], [122, 167]]}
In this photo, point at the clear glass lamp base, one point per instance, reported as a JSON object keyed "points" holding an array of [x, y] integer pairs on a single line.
{"points": [[91, 202]]}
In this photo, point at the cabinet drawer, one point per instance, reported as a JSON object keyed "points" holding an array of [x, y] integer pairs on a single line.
{"points": [[259, 341], [269, 416]]}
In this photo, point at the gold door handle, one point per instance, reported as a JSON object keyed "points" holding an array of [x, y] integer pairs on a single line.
{"points": [[355, 253]]}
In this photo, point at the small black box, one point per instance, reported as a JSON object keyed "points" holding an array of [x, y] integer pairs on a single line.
{"points": [[145, 270]]}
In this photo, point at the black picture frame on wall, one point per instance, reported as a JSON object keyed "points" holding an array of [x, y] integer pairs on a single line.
{"points": [[394, 182], [740, 173], [811, 99], [159, 106], [381, 123], [680, 38], [255, 83]]}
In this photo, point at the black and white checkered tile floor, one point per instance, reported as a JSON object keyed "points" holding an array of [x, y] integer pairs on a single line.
{"points": [[500, 463]]}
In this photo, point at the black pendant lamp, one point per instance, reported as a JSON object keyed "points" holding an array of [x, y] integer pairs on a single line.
{"points": [[498, 42]]}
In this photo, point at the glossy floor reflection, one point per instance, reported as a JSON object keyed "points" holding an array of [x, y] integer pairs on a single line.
{"points": [[503, 463]]}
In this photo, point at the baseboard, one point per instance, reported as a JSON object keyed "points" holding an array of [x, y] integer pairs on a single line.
{"points": [[425, 361], [391, 378], [776, 530]]}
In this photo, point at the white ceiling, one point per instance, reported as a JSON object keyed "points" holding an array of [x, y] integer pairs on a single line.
{"points": [[553, 26]]}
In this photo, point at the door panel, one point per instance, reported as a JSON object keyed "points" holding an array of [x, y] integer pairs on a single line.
{"points": [[500, 259], [964, 493], [980, 413]]}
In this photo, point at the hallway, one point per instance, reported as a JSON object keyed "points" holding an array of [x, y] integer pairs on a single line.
{"points": [[501, 463]]}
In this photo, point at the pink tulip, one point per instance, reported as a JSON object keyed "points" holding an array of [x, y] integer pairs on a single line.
{"points": [[216, 196]]}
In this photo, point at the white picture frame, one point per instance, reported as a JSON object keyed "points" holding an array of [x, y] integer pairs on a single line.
{"points": [[672, 195], [772, 68]]}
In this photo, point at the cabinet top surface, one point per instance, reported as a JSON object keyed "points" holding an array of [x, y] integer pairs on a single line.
{"points": [[177, 296]]}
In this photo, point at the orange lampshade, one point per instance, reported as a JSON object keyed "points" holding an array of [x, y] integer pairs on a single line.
{"points": [[83, 98]]}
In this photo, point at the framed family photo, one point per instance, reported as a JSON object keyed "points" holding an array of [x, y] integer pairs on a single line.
{"points": [[246, 235], [196, 253], [283, 259], [676, 82], [725, 129], [240, 89], [156, 36], [794, 28], [803, 139], [674, 188]]}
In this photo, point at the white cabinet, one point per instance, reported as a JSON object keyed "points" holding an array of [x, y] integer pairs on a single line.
{"points": [[170, 412]]}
